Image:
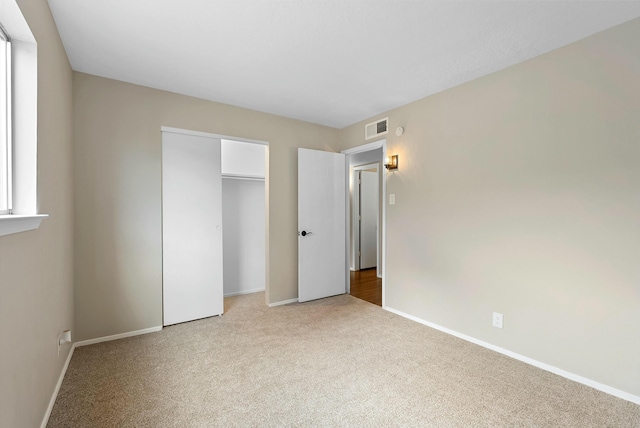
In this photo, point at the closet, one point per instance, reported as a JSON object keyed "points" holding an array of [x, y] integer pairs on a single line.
{"points": [[243, 215], [207, 183]]}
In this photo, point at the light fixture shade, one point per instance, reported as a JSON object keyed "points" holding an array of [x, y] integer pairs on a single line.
{"points": [[391, 162]]}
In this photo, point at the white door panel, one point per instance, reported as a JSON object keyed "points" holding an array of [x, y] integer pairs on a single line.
{"points": [[321, 219], [368, 219], [191, 227]]}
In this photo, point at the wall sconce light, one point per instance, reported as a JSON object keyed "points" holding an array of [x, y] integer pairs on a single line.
{"points": [[391, 162]]}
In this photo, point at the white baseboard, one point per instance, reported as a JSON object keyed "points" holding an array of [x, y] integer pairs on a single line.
{"points": [[47, 414], [284, 302], [239, 293], [118, 336], [568, 375]]}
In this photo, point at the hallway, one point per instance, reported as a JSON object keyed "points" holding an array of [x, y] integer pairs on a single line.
{"points": [[367, 286]]}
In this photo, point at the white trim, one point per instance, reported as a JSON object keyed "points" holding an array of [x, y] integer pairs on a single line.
{"points": [[47, 414], [555, 370], [284, 302], [13, 223], [365, 147], [24, 128], [239, 293], [347, 225], [210, 135], [9, 122], [118, 336], [353, 232], [364, 167]]}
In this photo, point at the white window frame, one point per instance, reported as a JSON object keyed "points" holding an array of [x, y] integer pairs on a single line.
{"points": [[6, 185], [23, 215]]}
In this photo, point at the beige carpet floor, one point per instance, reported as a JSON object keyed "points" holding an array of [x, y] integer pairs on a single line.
{"points": [[338, 362]]}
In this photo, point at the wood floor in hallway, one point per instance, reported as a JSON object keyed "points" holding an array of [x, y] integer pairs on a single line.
{"points": [[366, 285]]}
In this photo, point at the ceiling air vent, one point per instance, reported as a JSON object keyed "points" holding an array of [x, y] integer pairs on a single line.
{"points": [[376, 128]]}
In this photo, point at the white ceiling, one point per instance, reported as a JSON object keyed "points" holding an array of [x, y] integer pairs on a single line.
{"points": [[332, 62]]}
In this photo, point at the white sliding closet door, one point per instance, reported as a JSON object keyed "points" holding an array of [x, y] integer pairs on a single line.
{"points": [[191, 227]]}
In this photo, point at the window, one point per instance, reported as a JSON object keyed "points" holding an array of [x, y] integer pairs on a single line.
{"points": [[18, 123], [5, 122]]}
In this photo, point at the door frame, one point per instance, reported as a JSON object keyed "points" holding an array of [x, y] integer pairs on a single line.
{"points": [[383, 221], [355, 236], [266, 190]]}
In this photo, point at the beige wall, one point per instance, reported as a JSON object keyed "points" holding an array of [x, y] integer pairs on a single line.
{"points": [[118, 263], [518, 193], [36, 292]]}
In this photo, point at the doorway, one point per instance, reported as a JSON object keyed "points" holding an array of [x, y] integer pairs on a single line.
{"points": [[243, 217], [366, 219]]}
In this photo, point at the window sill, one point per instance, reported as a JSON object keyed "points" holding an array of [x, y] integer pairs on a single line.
{"points": [[20, 223]]}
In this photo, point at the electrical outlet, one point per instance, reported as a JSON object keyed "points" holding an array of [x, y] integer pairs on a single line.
{"points": [[497, 320], [64, 337]]}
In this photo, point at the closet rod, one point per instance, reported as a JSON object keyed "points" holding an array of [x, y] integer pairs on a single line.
{"points": [[243, 177]]}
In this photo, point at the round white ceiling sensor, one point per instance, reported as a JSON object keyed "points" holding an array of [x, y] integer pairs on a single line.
{"points": [[399, 131]]}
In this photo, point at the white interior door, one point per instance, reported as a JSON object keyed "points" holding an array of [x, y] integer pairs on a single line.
{"points": [[368, 219], [322, 255], [191, 227]]}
